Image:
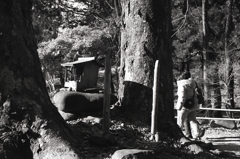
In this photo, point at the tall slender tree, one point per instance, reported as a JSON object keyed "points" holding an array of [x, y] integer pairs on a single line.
{"points": [[205, 54], [229, 76]]}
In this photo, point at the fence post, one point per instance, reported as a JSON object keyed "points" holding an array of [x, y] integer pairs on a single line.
{"points": [[106, 107], [154, 134]]}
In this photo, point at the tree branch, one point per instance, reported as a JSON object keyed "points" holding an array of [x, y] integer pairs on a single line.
{"points": [[184, 22]]}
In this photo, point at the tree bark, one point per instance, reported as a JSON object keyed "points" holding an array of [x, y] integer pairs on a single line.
{"points": [[145, 38], [137, 59], [30, 112], [206, 88], [229, 78], [217, 97]]}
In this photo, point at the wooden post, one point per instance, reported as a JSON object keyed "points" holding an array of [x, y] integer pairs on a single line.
{"points": [[106, 108], [155, 101], [65, 75]]}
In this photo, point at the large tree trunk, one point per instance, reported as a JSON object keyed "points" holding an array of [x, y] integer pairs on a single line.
{"points": [[28, 110], [145, 37], [137, 59]]}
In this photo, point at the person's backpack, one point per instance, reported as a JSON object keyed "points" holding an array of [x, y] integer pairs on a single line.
{"points": [[189, 103], [198, 92]]}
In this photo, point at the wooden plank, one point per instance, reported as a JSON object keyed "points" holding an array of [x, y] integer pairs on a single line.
{"points": [[209, 118], [212, 118], [227, 110]]}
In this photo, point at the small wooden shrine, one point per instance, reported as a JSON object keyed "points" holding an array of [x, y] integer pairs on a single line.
{"points": [[82, 74]]}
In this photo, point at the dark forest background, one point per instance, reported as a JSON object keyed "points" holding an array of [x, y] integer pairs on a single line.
{"points": [[66, 30]]}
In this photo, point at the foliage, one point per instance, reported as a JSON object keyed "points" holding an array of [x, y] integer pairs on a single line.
{"points": [[188, 45], [187, 31], [74, 43], [66, 30], [50, 15]]}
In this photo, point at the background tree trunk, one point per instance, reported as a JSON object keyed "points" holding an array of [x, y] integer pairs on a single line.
{"points": [[206, 88], [145, 37], [217, 97], [229, 77], [107, 88], [30, 113]]}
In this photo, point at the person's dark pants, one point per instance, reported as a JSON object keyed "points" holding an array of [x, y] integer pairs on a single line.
{"points": [[188, 132]]}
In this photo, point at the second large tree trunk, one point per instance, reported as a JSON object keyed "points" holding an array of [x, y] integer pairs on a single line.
{"points": [[138, 53], [145, 37]]}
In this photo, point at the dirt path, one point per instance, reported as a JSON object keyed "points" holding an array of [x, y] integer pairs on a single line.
{"points": [[224, 139]]}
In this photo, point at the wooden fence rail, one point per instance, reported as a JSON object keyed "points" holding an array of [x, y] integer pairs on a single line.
{"points": [[227, 110], [216, 109], [210, 118]]}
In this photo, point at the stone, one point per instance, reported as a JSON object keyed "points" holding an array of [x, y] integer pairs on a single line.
{"points": [[67, 116], [133, 154], [223, 123], [78, 102], [91, 119]]}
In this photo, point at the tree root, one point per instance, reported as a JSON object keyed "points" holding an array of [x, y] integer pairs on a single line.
{"points": [[203, 148]]}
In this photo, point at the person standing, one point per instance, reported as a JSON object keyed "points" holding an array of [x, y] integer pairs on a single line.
{"points": [[186, 90]]}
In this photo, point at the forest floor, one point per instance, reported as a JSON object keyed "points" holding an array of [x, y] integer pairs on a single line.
{"points": [[227, 140], [137, 137]]}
